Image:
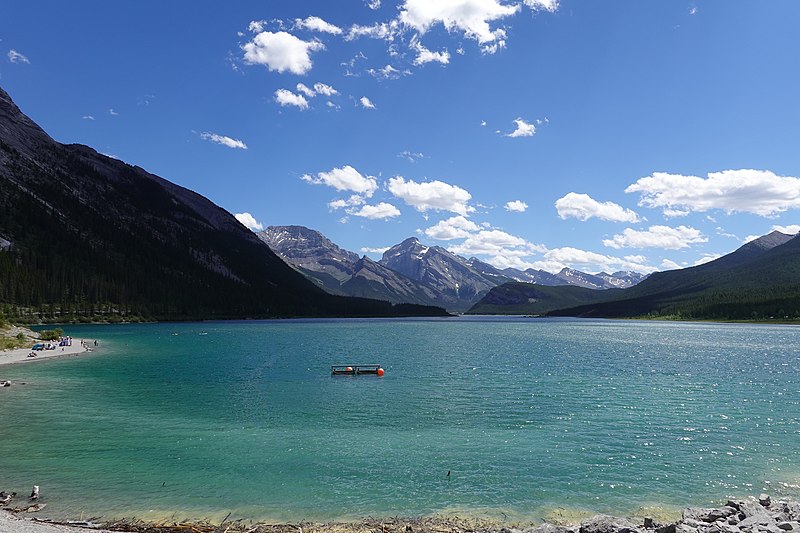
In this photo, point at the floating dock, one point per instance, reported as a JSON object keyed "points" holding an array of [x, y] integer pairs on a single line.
{"points": [[356, 370]]}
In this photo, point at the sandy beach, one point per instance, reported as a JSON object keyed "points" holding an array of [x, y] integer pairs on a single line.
{"points": [[21, 355]]}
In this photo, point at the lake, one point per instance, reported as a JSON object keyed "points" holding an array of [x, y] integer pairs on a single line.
{"points": [[531, 419]]}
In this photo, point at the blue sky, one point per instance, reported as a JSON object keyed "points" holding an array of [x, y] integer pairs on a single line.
{"points": [[624, 135]]}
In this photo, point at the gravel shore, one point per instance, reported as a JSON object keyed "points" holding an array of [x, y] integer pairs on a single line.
{"points": [[753, 515]]}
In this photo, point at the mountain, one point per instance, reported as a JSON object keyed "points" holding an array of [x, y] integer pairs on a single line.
{"points": [[313, 254], [457, 283], [516, 298], [340, 271], [759, 280], [88, 236]]}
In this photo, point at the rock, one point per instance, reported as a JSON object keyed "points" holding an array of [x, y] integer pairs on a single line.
{"points": [[550, 528], [607, 524], [697, 513], [722, 512], [667, 528], [786, 526], [764, 500]]}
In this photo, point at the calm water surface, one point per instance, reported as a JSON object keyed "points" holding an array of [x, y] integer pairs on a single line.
{"points": [[528, 415]]}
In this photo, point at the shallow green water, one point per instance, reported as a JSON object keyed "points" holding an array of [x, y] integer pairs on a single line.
{"points": [[527, 415]]}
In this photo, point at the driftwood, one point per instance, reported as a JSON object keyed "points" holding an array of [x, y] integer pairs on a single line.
{"points": [[6, 497], [29, 509]]}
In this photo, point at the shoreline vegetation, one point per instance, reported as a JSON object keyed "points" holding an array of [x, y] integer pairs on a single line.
{"points": [[751, 515]]}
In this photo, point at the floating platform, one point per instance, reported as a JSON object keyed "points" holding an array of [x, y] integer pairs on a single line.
{"points": [[356, 370]]}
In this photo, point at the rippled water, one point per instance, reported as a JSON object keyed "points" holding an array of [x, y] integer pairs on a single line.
{"points": [[531, 417]]}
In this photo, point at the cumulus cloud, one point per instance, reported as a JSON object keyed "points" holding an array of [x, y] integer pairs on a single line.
{"points": [[381, 30], [706, 258], [373, 5], [472, 18], [382, 210], [303, 88], [593, 262], [16, 57], [657, 237], [457, 227], [281, 52], [524, 129], [325, 90], [517, 206], [426, 56], [113, 113], [346, 178], [791, 229], [87, 117], [668, 264], [377, 250], [759, 192], [431, 195], [366, 103], [317, 24], [249, 221], [287, 98], [223, 140], [583, 207]]}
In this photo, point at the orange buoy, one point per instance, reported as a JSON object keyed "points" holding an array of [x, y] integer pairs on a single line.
{"points": [[349, 369], [380, 372]]}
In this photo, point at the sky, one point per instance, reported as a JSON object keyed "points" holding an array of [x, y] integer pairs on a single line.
{"points": [[599, 135]]}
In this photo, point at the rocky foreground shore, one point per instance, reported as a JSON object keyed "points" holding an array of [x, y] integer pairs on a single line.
{"points": [[755, 515]]}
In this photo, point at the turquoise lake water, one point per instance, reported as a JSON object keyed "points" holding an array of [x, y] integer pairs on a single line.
{"points": [[531, 417]]}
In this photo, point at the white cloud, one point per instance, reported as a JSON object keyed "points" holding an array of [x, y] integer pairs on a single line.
{"points": [[411, 156], [470, 17], [16, 57], [317, 24], [379, 211], [668, 264], [223, 140], [381, 30], [503, 248], [707, 258], [594, 262], [517, 206], [457, 227], [256, 26], [377, 250], [325, 90], [750, 238], [87, 117], [759, 192], [302, 88], [112, 113], [546, 5], [249, 221], [693, 10], [791, 229], [285, 97], [373, 5], [366, 103], [281, 52], [345, 179], [524, 129], [431, 195], [387, 73], [657, 237], [583, 207], [426, 56], [354, 199]]}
